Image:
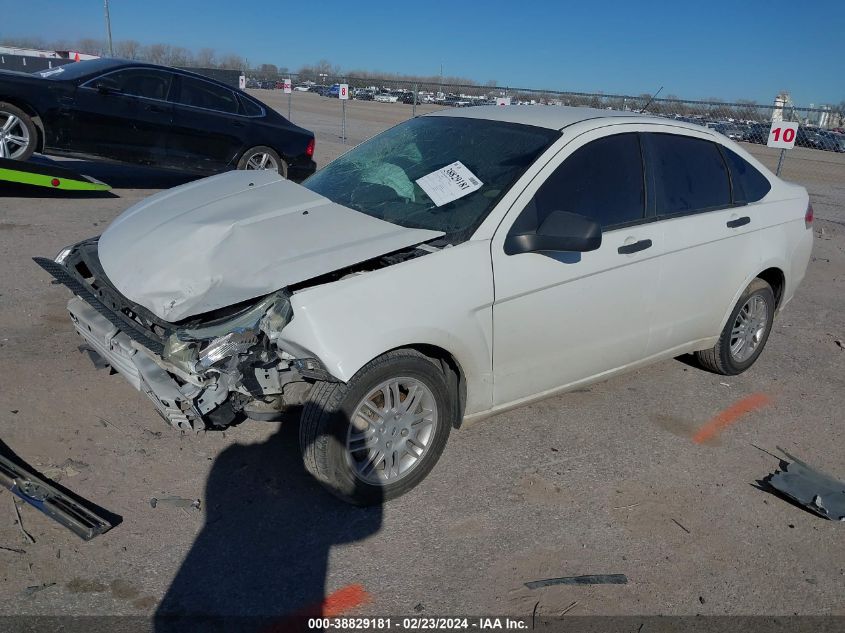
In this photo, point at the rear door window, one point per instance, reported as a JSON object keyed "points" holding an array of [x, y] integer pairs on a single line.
{"points": [[603, 180], [203, 94], [749, 185], [688, 175]]}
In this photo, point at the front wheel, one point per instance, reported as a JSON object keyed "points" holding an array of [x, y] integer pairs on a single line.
{"points": [[377, 436], [745, 334], [262, 157]]}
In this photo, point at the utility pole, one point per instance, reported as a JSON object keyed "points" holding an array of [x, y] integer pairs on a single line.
{"points": [[108, 26]]}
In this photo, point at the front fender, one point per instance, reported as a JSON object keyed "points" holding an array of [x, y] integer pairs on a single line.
{"points": [[442, 299]]}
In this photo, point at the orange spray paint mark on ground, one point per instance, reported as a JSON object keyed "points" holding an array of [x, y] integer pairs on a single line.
{"points": [[344, 600], [334, 605], [729, 416]]}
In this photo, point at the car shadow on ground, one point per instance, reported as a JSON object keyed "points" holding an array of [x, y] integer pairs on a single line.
{"points": [[260, 561]]}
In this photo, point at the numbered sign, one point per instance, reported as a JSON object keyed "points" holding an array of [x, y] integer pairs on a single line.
{"points": [[242, 82], [503, 101], [343, 93], [286, 86], [782, 135]]}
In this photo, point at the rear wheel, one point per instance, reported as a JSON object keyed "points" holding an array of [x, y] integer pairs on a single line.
{"points": [[17, 133], [745, 334], [377, 436], [262, 157]]}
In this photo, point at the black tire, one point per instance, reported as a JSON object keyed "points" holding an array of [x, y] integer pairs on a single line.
{"points": [[7, 109], [325, 423], [263, 149], [719, 359]]}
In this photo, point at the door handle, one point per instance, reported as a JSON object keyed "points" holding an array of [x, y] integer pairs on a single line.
{"points": [[155, 108], [237, 124], [732, 224], [636, 247]]}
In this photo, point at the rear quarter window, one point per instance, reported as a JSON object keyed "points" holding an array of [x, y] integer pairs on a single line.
{"points": [[688, 174], [249, 107], [749, 185]]}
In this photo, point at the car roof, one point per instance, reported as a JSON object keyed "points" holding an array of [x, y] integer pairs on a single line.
{"points": [[551, 117]]}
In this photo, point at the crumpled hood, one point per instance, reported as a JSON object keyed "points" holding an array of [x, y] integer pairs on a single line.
{"points": [[236, 236]]}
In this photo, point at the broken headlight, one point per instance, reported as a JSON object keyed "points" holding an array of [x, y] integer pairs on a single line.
{"points": [[197, 349]]}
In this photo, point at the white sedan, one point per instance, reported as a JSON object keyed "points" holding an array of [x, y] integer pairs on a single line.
{"points": [[454, 266]]}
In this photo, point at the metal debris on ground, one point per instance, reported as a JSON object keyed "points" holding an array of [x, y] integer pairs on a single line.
{"points": [[599, 579], [179, 502], [78, 515], [816, 491], [36, 588], [681, 526], [27, 536]]}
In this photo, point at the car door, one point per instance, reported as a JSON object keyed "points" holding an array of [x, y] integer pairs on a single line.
{"points": [[123, 115], [208, 130], [709, 237], [561, 317]]}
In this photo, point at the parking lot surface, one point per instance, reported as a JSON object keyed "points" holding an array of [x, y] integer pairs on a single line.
{"points": [[605, 480]]}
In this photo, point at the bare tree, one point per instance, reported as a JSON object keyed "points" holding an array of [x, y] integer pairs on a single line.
{"points": [[205, 58], [90, 45], [127, 49], [232, 62], [157, 53], [179, 56], [269, 69]]}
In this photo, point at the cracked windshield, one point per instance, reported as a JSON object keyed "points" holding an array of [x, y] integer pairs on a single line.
{"points": [[408, 175]]}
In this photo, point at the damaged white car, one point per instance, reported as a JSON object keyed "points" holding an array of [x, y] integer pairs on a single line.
{"points": [[456, 265]]}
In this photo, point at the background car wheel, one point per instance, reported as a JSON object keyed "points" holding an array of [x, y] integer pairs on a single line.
{"points": [[18, 135], [262, 157], [377, 436], [745, 334]]}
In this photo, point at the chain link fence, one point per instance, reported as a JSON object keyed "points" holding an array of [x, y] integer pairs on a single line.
{"points": [[818, 156]]}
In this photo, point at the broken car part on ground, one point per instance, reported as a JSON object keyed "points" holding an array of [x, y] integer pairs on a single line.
{"points": [[79, 516], [817, 492]]}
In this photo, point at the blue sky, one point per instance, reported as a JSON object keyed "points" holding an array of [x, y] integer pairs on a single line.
{"points": [[731, 50]]}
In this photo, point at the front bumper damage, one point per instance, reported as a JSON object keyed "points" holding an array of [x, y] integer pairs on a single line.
{"points": [[202, 374]]}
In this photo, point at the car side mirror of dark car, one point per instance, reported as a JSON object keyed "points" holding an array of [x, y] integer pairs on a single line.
{"points": [[106, 86], [560, 231]]}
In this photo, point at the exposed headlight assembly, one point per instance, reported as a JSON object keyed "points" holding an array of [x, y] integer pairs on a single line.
{"points": [[197, 349]]}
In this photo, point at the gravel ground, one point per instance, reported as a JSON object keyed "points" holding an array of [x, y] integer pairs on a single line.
{"points": [[603, 480]]}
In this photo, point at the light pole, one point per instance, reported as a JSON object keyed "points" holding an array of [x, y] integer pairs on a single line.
{"points": [[108, 26]]}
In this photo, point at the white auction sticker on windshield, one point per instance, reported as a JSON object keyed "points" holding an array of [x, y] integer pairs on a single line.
{"points": [[449, 183]]}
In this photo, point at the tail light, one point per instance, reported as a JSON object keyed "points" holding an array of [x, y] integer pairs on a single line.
{"points": [[309, 151], [808, 216]]}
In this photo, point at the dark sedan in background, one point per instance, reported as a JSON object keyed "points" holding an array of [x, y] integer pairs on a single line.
{"points": [[149, 115]]}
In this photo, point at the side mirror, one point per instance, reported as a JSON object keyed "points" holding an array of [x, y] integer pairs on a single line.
{"points": [[560, 231], [106, 86]]}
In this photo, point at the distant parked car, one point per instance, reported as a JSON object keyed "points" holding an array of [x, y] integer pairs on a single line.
{"points": [[409, 97], [150, 115], [384, 97], [364, 95], [757, 133], [733, 132], [334, 91], [830, 141]]}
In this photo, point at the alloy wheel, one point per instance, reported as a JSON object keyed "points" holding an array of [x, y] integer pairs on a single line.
{"points": [[14, 136], [391, 430], [262, 160], [749, 328]]}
